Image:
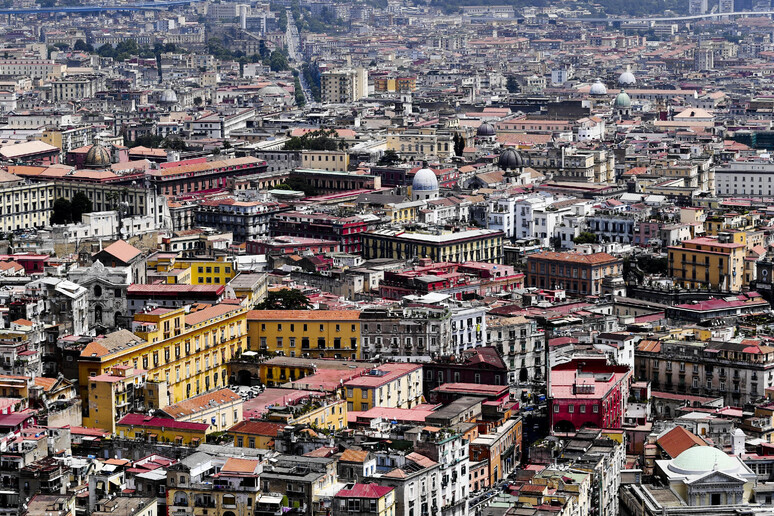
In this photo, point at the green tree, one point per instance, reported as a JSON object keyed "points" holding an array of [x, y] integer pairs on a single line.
{"points": [[197, 101], [63, 212], [285, 299], [512, 85], [299, 185], [278, 61], [459, 144], [390, 157], [79, 205], [586, 237], [82, 46], [323, 139]]}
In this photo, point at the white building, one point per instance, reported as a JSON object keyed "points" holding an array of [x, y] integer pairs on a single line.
{"points": [[468, 328], [745, 178]]}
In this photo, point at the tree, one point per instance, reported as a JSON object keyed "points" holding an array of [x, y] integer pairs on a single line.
{"points": [[79, 205], [586, 237], [459, 144], [299, 185], [285, 299], [278, 61], [390, 157], [62, 212], [197, 101], [82, 46], [512, 85], [320, 140]]}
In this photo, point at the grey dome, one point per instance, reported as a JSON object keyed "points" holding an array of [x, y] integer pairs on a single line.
{"points": [[169, 96], [598, 88], [272, 90], [97, 157], [627, 79], [424, 181], [622, 101], [485, 130], [510, 159]]}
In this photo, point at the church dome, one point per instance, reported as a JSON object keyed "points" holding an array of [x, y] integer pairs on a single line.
{"points": [[272, 90], [509, 160], [622, 101], [702, 459], [424, 181], [598, 88], [627, 79], [169, 96], [485, 130], [98, 156]]}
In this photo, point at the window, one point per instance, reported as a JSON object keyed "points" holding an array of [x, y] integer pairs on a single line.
{"points": [[556, 409]]}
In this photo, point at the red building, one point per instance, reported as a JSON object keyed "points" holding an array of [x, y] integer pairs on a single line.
{"points": [[588, 392], [286, 245], [347, 231], [460, 280]]}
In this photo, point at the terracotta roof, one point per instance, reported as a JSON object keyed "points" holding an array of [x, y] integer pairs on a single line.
{"points": [[592, 259], [46, 383], [234, 465], [199, 403], [677, 440], [351, 455], [122, 251], [208, 313], [262, 428], [144, 421]]}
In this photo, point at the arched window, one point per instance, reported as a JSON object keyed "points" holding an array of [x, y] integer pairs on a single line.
{"points": [[98, 314]]}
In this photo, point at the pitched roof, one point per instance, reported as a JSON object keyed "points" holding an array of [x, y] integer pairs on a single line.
{"points": [[122, 251], [263, 428], [142, 420], [200, 403], [351, 455], [364, 491], [677, 440], [235, 465]]}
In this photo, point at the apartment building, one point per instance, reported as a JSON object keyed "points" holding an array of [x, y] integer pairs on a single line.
{"points": [[480, 245], [578, 274], [305, 333], [710, 262], [344, 86], [521, 345], [184, 352], [389, 385]]}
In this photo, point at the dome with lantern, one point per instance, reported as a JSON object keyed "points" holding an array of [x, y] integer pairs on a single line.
{"points": [[510, 160], [598, 88], [97, 157], [424, 185], [627, 79], [485, 130], [622, 101]]}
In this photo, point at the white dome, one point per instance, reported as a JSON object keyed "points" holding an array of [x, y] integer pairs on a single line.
{"points": [[169, 95], [598, 88], [627, 79], [424, 181]]}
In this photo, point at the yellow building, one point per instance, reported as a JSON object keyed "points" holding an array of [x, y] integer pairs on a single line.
{"points": [[255, 434], [112, 395], [395, 84], [191, 271], [187, 351], [420, 142], [24, 205], [403, 211], [233, 491], [707, 262], [317, 413], [161, 430], [397, 385], [332, 161], [305, 333]]}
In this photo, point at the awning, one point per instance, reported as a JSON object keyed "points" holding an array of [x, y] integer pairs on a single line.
{"points": [[178, 437], [152, 435]]}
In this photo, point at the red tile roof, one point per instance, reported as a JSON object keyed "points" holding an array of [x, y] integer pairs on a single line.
{"points": [[677, 440], [144, 421], [364, 491]]}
